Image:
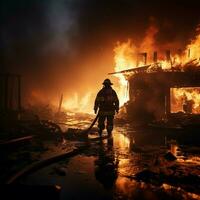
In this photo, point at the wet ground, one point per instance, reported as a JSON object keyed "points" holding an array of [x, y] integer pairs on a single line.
{"points": [[108, 168]]}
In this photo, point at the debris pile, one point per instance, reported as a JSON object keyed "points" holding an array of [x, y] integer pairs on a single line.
{"points": [[167, 169]]}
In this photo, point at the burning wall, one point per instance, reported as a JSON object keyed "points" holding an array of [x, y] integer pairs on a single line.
{"points": [[130, 56], [151, 97]]}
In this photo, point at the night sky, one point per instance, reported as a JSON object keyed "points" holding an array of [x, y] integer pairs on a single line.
{"points": [[57, 45]]}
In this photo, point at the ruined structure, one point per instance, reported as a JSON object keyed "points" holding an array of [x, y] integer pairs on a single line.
{"points": [[150, 87], [150, 92]]}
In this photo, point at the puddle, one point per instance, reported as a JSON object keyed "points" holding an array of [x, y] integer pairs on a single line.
{"points": [[106, 169]]}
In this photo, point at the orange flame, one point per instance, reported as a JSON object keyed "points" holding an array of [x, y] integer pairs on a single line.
{"points": [[194, 46], [183, 95], [78, 104], [126, 57]]}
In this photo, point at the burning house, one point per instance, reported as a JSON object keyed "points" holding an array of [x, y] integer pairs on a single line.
{"points": [[157, 91]]}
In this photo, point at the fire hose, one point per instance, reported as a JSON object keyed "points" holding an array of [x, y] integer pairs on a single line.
{"points": [[40, 164], [92, 124]]}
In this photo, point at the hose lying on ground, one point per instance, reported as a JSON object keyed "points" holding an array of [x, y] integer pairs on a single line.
{"points": [[43, 163], [92, 124], [89, 128]]}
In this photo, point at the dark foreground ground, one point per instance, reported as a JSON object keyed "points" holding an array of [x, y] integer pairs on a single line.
{"points": [[133, 164]]}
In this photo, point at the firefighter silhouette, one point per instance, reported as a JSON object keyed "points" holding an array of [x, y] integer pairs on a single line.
{"points": [[108, 104]]}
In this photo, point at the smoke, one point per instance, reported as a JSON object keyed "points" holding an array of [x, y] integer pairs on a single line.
{"points": [[149, 39], [61, 18], [66, 46]]}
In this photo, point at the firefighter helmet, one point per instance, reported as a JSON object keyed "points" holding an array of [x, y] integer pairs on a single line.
{"points": [[107, 82]]}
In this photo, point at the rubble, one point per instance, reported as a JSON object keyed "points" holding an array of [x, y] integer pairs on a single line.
{"points": [[172, 172]]}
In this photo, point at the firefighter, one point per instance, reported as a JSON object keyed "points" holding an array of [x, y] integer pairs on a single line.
{"points": [[107, 102]]}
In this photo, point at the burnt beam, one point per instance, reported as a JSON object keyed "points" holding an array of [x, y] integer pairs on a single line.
{"points": [[168, 55], [155, 56]]}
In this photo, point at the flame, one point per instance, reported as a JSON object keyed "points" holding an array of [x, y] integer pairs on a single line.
{"points": [[181, 95], [194, 46], [122, 141], [78, 104], [126, 57], [124, 60], [148, 42]]}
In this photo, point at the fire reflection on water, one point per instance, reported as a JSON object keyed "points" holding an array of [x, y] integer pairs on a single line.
{"points": [[122, 145], [98, 165], [121, 141], [130, 163], [176, 151], [140, 190]]}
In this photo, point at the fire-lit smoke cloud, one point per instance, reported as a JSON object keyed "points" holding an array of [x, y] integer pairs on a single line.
{"points": [[127, 56], [66, 46], [149, 40]]}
